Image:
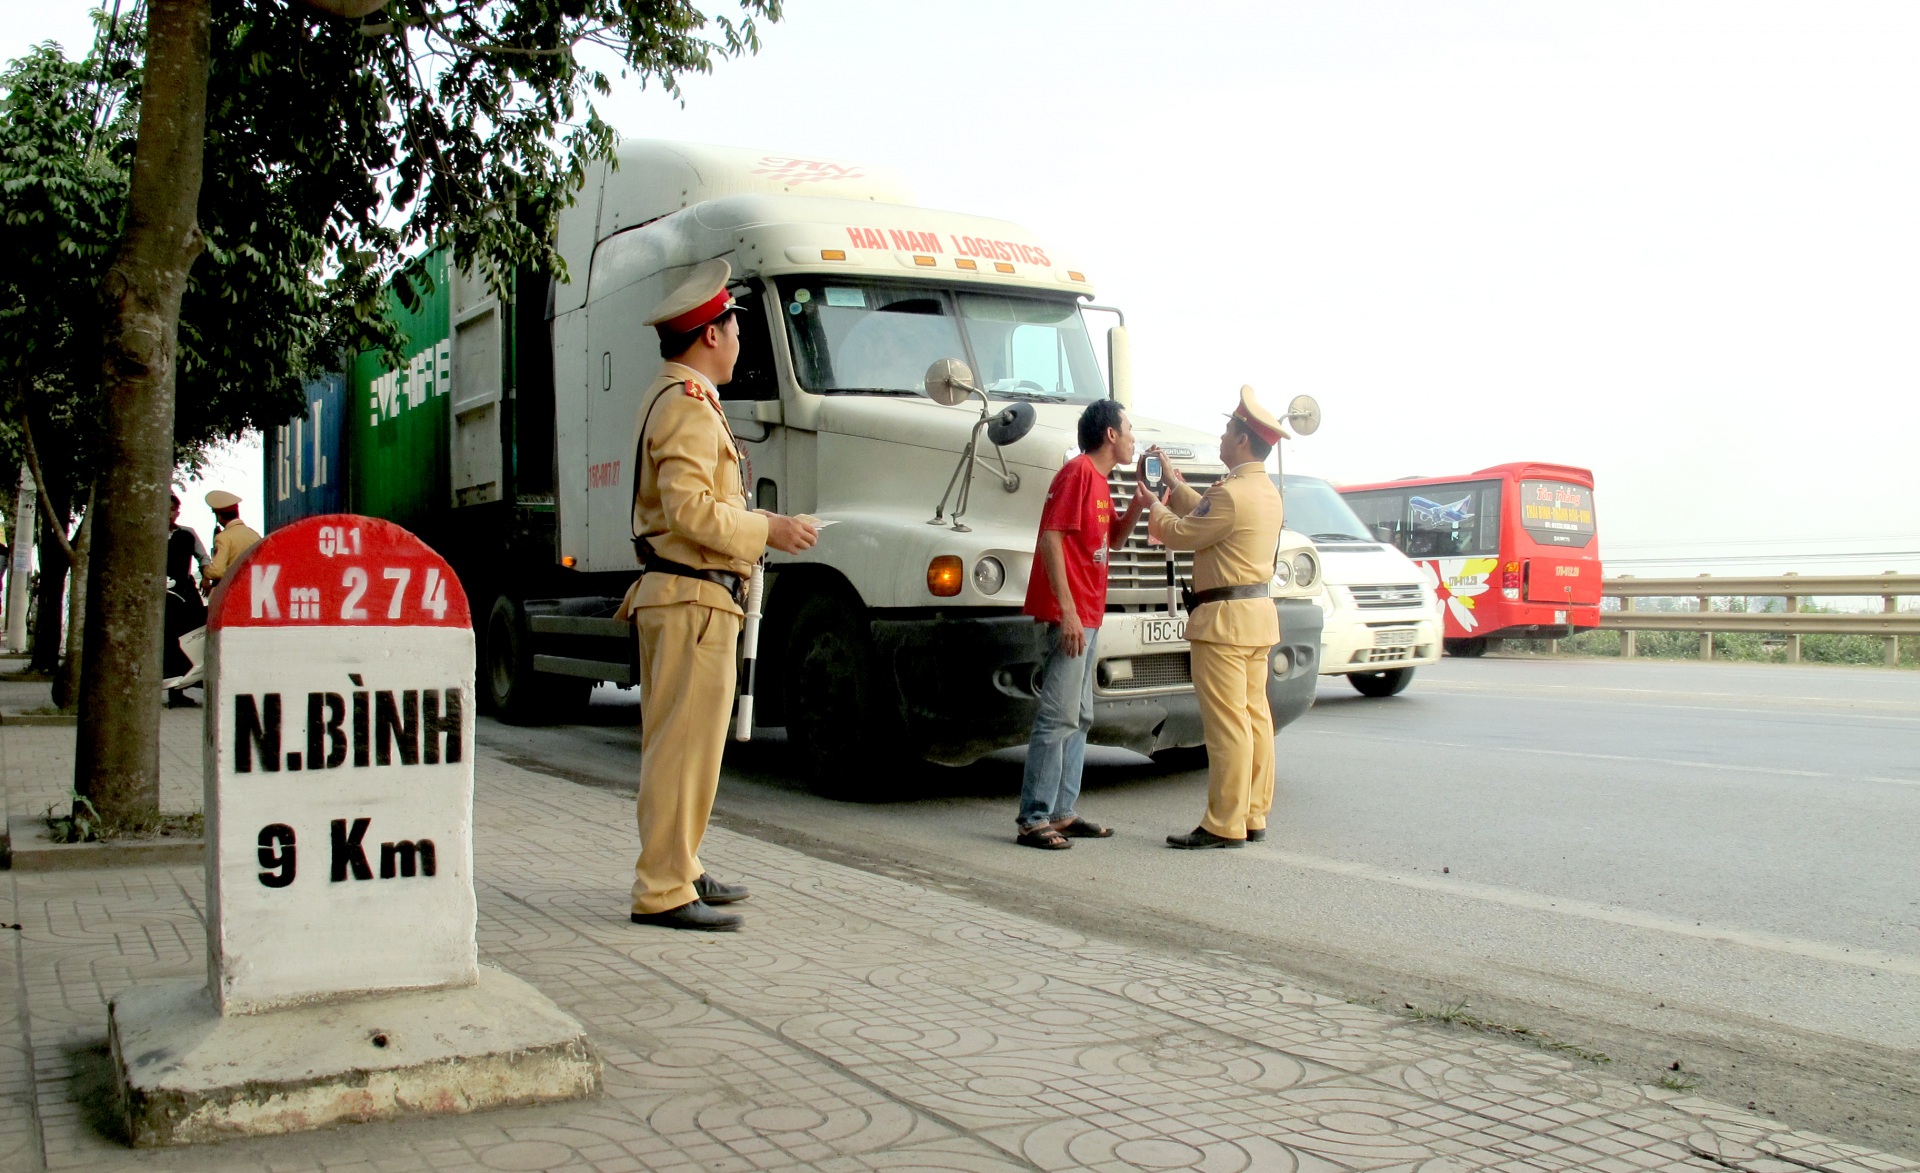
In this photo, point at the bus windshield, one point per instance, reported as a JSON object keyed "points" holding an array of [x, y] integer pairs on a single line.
{"points": [[1314, 508], [876, 337]]}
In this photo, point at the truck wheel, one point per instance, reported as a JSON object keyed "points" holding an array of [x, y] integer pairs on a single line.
{"points": [[1387, 682], [1468, 648], [841, 723], [513, 691]]}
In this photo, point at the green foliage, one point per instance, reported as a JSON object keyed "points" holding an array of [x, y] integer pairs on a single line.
{"points": [[81, 823], [433, 122], [65, 148]]}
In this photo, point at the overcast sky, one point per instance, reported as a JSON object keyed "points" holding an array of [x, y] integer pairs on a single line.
{"points": [[1675, 242]]}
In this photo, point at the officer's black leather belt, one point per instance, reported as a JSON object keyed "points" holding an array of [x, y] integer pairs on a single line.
{"points": [[1258, 590], [653, 563]]}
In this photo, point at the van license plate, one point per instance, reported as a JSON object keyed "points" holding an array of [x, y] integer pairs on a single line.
{"points": [[1399, 637], [1163, 631]]}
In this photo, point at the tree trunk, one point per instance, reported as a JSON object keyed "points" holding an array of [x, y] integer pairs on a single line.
{"points": [[117, 759], [48, 593], [66, 686]]}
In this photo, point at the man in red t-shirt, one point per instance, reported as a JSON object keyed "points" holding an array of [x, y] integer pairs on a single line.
{"points": [[1067, 590]]}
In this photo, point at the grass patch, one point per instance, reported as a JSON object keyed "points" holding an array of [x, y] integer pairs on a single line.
{"points": [[81, 823], [1457, 1014], [1677, 1083]]}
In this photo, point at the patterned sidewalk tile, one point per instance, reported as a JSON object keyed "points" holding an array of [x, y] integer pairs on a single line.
{"points": [[860, 1022]]}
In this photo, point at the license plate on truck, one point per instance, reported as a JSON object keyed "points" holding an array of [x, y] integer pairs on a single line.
{"points": [[1397, 637], [1163, 631]]}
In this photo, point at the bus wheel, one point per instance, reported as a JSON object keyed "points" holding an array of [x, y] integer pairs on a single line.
{"points": [[1387, 682], [1468, 648], [841, 723], [510, 687]]}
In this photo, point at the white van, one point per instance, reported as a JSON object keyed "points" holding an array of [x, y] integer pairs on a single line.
{"points": [[1381, 619]]}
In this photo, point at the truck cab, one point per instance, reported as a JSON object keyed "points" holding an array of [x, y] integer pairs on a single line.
{"points": [[898, 637]]}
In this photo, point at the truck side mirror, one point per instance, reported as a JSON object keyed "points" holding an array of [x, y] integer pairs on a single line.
{"points": [[1120, 366], [1011, 424], [949, 381]]}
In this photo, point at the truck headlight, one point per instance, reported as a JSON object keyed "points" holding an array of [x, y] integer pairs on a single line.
{"points": [[1282, 575], [989, 576], [1306, 570]]}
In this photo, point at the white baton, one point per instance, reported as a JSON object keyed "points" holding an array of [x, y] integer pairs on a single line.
{"points": [[749, 652]]}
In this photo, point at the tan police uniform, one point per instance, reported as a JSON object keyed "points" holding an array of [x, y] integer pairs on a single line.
{"points": [[232, 540], [690, 506], [1234, 531]]}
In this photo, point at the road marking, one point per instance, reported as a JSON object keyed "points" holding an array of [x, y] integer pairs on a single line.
{"points": [[1530, 693], [1630, 918], [1609, 757]]}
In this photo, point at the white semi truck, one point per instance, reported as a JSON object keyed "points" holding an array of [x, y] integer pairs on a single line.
{"points": [[507, 444]]}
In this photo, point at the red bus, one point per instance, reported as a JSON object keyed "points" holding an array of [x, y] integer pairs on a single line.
{"points": [[1511, 550]]}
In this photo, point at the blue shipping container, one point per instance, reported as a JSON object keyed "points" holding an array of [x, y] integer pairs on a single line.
{"points": [[306, 475]]}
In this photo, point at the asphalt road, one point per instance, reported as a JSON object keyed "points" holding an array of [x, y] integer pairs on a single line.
{"points": [[1663, 862]]}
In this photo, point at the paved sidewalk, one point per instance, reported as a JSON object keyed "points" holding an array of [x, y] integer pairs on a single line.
{"points": [[859, 1022]]}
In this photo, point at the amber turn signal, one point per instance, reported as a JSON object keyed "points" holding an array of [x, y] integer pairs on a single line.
{"points": [[944, 575]]}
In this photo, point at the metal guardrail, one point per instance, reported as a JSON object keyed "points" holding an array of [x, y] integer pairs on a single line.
{"points": [[1792, 623]]}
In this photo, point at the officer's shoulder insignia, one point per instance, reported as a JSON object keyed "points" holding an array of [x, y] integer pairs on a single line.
{"points": [[694, 389], [1205, 506]]}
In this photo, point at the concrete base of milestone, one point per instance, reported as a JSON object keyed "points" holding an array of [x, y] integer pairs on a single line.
{"points": [[188, 1075]]}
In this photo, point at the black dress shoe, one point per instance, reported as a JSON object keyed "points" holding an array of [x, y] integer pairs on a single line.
{"points": [[694, 914], [713, 891], [1201, 837], [1256, 834]]}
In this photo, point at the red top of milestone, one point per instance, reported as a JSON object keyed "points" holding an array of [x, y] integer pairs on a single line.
{"points": [[339, 570]]}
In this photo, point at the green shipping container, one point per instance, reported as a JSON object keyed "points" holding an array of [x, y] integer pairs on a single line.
{"points": [[398, 421]]}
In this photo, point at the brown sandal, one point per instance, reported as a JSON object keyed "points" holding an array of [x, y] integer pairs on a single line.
{"points": [[1043, 837], [1085, 829]]}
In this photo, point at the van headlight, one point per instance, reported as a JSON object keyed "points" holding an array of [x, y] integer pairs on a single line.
{"points": [[1306, 569], [1282, 575], [989, 575]]}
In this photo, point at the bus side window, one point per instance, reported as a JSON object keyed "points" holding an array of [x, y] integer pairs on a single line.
{"points": [[1385, 515]]}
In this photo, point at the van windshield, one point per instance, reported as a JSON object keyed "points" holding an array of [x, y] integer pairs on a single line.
{"points": [[1314, 508], [876, 337]]}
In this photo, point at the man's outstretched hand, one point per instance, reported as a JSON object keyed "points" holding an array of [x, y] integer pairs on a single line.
{"points": [[789, 535]]}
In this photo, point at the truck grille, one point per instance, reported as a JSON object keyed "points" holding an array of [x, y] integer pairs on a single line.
{"points": [[1155, 670], [1137, 572], [1379, 597]]}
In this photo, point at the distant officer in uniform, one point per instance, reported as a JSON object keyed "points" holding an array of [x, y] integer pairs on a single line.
{"points": [[697, 542], [232, 539], [184, 612], [1234, 532]]}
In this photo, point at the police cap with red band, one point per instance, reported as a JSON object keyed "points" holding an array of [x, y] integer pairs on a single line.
{"points": [[700, 300], [1258, 419]]}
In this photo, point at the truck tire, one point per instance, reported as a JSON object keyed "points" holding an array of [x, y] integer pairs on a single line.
{"points": [[1386, 682], [1467, 648], [509, 686], [842, 724]]}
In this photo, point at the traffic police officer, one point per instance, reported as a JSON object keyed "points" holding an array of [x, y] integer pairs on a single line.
{"points": [[232, 539], [1234, 532], [697, 542]]}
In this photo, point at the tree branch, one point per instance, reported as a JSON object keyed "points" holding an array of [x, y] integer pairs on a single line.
{"points": [[58, 526]]}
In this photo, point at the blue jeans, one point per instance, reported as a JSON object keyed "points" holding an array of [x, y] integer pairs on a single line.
{"points": [[1058, 746]]}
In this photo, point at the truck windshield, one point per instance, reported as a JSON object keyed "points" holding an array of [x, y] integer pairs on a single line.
{"points": [[876, 337], [1315, 508]]}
